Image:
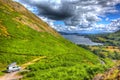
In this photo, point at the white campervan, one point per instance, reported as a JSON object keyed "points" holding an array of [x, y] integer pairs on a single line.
{"points": [[13, 67]]}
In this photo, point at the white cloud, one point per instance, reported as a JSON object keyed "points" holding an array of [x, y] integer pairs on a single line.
{"points": [[77, 14]]}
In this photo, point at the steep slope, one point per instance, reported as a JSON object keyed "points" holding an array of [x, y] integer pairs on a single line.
{"points": [[23, 16], [23, 37]]}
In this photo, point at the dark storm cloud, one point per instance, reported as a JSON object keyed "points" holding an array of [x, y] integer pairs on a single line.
{"points": [[63, 12], [52, 10]]}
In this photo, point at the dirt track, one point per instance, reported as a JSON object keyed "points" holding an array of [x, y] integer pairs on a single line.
{"points": [[14, 76]]}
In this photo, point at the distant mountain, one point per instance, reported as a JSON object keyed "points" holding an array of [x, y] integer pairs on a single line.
{"points": [[65, 33], [24, 37], [72, 33]]}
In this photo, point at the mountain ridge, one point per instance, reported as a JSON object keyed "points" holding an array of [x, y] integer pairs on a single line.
{"points": [[15, 6]]}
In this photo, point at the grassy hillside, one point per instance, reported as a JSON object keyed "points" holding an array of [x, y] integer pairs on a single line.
{"points": [[23, 37], [111, 47], [111, 39]]}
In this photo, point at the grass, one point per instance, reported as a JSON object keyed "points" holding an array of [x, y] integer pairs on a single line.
{"points": [[63, 68]]}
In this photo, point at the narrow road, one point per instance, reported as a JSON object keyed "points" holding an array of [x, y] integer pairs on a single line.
{"points": [[14, 75]]}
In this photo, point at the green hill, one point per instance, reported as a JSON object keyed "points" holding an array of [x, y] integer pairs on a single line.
{"points": [[111, 39], [111, 47], [24, 37]]}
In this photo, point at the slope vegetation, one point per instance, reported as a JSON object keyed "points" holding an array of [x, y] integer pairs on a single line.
{"points": [[24, 37]]}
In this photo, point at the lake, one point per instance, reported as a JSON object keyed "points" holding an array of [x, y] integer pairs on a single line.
{"points": [[77, 39]]}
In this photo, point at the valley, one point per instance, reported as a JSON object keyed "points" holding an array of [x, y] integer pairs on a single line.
{"points": [[110, 48], [24, 38]]}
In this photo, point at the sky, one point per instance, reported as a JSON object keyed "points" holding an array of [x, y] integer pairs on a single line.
{"points": [[77, 16]]}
